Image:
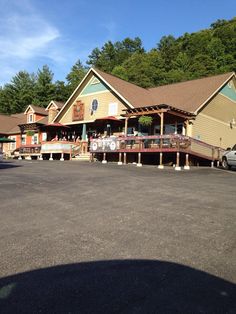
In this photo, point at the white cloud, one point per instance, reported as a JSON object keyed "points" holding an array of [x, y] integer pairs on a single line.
{"points": [[24, 35]]}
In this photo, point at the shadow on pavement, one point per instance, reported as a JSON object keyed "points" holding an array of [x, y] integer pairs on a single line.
{"points": [[8, 164], [119, 286]]}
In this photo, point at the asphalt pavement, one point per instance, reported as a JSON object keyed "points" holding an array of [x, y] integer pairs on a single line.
{"points": [[80, 237]]}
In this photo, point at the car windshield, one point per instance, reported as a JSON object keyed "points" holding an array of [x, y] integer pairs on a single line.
{"points": [[234, 147]]}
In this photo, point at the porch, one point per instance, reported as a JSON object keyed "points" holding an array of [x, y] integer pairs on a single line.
{"points": [[155, 144]]}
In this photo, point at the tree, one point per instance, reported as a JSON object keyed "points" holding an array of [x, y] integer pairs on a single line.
{"points": [[76, 75], [18, 94], [62, 91], [114, 54], [44, 88]]}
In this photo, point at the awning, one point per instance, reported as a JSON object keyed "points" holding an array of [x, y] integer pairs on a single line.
{"points": [[56, 125], [6, 140], [109, 118]]}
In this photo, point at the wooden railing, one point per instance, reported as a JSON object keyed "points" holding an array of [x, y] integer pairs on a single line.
{"points": [[55, 147], [156, 143], [33, 149]]}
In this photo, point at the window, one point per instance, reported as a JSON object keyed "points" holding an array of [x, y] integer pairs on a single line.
{"points": [[23, 139], [44, 136], [94, 106], [34, 139], [112, 109], [13, 144], [30, 118]]}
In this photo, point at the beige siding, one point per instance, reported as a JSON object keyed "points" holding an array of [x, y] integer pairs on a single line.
{"points": [[212, 124], [214, 132], [221, 108], [103, 98]]}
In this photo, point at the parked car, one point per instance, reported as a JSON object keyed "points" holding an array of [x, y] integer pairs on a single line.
{"points": [[229, 158]]}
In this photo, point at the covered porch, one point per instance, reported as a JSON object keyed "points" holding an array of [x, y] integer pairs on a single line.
{"points": [[168, 135]]}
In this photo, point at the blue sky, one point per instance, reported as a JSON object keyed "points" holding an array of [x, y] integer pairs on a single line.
{"points": [[59, 32]]}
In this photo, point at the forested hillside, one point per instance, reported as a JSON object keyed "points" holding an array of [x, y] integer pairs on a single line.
{"points": [[204, 53]]}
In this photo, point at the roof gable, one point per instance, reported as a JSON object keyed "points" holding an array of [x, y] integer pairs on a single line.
{"points": [[56, 104], [95, 85], [36, 109], [189, 96]]}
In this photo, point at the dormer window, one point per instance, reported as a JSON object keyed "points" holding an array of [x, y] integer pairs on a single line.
{"points": [[30, 118]]}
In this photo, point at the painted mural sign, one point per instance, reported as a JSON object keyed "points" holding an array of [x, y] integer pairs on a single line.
{"points": [[78, 111], [109, 144]]}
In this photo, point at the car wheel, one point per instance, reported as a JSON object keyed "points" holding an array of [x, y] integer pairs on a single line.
{"points": [[225, 164]]}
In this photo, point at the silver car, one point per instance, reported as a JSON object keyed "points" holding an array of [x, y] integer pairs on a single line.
{"points": [[229, 158]]}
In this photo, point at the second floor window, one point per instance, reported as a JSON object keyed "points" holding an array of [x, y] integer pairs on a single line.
{"points": [[30, 118]]}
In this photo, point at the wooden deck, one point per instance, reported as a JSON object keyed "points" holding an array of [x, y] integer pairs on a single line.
{"points": [[156, 144]]}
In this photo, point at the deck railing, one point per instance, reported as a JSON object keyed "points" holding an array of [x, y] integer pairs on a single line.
{"points": [[33, 149], [58, 147], [156, 143]]}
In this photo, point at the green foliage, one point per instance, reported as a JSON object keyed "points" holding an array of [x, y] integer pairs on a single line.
{"points": [[145, 120], [75, 76], [207, 52], [17, 95], [44, 88], [112, 55], [30, 133]]}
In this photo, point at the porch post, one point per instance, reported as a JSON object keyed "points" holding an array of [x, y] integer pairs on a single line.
{"points": [[186, 167], [51, 158], [161, 166], [125, 161], [91, 157], [104, 161], [126, 125], [139, 164], [41, 157], [62, 157], [177, 167], [120, 159], [162, 123]]}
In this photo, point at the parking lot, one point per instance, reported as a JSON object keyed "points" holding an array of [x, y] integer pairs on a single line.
{"points": [[81, 237]]}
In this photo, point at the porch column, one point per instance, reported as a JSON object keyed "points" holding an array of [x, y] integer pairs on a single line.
{"points": [[186, 167], [177, 167], [161, 166], [189, 127], [62, 157], [51, 158], [162, 123], [125, 160], [104, 161], [41, 157], [161, 115], [139, 164], [20, 158], [126, 125], [91, 157], [120, 159]]}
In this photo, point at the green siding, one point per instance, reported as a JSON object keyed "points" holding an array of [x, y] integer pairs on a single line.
{"points": [[94, 88], [229, 92]]}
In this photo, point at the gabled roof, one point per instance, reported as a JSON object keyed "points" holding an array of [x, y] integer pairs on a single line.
{"points": [[135, 95], [190, 95], [9, 124], [37, 109], [57, 104]]}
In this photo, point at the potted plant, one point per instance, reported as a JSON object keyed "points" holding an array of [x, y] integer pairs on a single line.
{"points": [[145, 120], [30, 133]]}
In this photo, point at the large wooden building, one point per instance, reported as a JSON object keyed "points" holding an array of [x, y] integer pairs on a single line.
{"points": [[198, 115], [189, 122]]}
